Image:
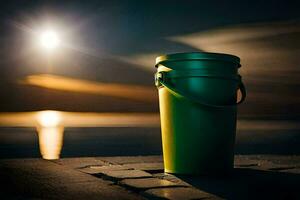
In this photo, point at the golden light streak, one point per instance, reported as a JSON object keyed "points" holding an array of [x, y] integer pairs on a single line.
{"points": [[82, 119], [79, 119], [134, 92]]}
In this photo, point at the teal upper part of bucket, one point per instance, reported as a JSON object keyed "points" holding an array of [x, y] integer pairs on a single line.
{"points": [[184, 73], [192, 56]]}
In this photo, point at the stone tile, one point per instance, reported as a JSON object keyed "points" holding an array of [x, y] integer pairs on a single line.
{"points": [[280, 168], [80, 162], [171, 178], [92, 190], [151, 167], [267, 162], [132, 159], [101, 169], [292, 160], [147, 183], [293, 170], [242, 161], [268, 165], [257, 162], [178, 194], [116, 175]]}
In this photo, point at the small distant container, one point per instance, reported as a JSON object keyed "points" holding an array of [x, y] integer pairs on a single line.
{"points": [[198, 107]]}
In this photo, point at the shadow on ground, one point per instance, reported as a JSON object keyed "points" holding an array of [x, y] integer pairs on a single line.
{"points": [[250, 184]]}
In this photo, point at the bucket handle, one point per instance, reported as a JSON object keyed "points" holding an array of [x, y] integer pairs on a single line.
{"points": [[160, 79]]}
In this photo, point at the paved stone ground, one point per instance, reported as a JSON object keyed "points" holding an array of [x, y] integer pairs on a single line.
{"points": [[142, 177]]}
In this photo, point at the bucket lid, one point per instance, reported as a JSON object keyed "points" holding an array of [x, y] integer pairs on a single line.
{"points": [[198, 56]]}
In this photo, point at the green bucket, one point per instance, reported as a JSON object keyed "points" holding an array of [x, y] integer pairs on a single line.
{"points": [[197, 100]]}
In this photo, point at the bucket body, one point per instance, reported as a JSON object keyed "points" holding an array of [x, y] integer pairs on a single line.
{"points": [[197, 99]]}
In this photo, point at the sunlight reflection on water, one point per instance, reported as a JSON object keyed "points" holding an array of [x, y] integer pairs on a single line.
{"points": [[50, 133], [101, 133], [50, 141], [50, 125]]}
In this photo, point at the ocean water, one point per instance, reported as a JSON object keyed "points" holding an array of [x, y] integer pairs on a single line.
{"points": [[23, 142]]}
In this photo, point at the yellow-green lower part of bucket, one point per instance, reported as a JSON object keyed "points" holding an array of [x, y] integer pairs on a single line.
{"points": [[198, 115]]}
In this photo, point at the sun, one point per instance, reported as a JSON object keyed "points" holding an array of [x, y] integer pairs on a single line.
{"points": [[49, 39]]}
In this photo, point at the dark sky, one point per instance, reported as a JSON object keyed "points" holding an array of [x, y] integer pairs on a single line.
{"points": [[128, 27], [110, 42]]}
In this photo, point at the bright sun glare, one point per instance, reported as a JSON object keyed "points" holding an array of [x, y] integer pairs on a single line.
{"points": [[49, 118], [49, 39]]}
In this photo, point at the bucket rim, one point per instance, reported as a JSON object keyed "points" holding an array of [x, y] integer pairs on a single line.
{"points": [[197, 56]]}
